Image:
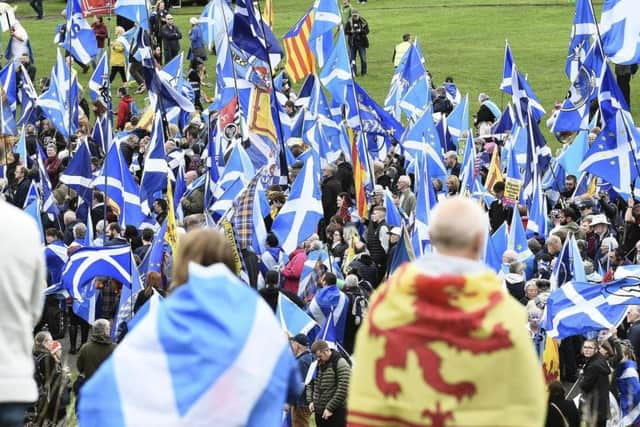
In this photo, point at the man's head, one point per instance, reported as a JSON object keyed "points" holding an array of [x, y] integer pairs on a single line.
{"points": [[458, 227], [570, 183], [404, 182], [101, 327], [21, 173], [69, 217], [330, 279], [498, 189], [114, 230], [322, 351], [633, 315], [554, 244], [79, 231], [509, 256], [329, 170], [190, 176], [147, 235], [299, 343], [52, 234], [122, 92], [450, 159], [378, 214], [406, 37], [567, 216], [169, 19]]}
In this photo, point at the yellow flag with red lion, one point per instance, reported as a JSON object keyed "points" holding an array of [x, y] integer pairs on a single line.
{"points": [[445, 350]]}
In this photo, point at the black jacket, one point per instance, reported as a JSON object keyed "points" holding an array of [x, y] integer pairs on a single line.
{"points": [[331, 187], [499, 213], [171, 36], [568, 409], [356, 31], [595, 387]]}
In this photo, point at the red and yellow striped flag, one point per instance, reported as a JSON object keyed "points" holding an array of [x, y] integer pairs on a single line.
{"points": [[299, 62], [361, 174]]}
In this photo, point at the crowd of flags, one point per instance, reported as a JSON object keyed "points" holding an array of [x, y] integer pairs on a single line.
{"points": [[247, 152]]}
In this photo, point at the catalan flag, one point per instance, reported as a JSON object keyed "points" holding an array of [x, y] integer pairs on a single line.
{"points": [[299, 62], [361, 174]]}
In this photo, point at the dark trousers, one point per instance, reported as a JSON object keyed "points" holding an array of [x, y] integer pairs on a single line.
{"points": [[362, 52], [76, 322], [116, 69], [624, 81], [569, 351], [37, 6], [12, 414], [338, 419]]}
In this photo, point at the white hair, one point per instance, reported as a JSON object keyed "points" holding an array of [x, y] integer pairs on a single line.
{"points": [[102, 327], [456, 223]]}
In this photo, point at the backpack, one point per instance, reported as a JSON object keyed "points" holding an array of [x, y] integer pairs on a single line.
{"points": [[359, 305]]}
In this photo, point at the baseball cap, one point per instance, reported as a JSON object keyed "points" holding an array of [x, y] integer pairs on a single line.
{"points": [[395, 230], [300, 339]]}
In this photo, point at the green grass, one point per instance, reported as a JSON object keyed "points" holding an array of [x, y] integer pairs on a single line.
{"points": [[464, 39]]}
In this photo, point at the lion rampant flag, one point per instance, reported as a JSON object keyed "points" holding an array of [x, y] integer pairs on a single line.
{"points": [[445, 351], [495, 171], [551, 360]]}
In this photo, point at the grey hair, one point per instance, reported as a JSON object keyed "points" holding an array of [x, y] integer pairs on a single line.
{"points": [[79, 230], [101, 326], [351, 281]]}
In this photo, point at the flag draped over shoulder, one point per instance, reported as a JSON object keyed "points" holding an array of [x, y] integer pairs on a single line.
{"points": [[212, 354], [415, 366]]}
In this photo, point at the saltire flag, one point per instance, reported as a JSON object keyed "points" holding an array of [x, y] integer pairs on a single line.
{"points": [[410, 69], [32, 195], [78, 175], [517, 238], [160, 357], [48, 201], [299, 62], [120, 188], [610, 96], [394, 217], [216, 19], [79, 41], [155, 254], [225, 198], [252, 35], [362, 174], [298, 218], [85, 264], [416, 99], [55, 102], [20, 148], [458, 120], [127, 300], [579, 307], [102, 133], [426, 200], [620, 31], [331, 303], [584, 27], [413, 359], [326, 21], [292, 318], [468, 169], [238, 166], [336, 72], [626, 376], [27, 97], [571, 158], [99, 86], [422, 137], [154, 175], [403, 252], [507, 70], [569, 265], [134, 10], [538, 221], [538, 156], [10, 91], [524, 98]]}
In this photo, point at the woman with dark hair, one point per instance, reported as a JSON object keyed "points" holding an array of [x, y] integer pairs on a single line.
{"points": [[153, 284], [561, 412], [53, 390], [594, 403]]}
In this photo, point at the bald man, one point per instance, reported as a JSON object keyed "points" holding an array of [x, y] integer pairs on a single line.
{"points": [[438, 334]]}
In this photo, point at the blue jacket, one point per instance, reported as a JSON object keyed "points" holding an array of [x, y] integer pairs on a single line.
{"points": [[196, 37], [304, 361]]}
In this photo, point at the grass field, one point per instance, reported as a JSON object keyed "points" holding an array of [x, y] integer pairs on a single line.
{"points": [[463, 38]]}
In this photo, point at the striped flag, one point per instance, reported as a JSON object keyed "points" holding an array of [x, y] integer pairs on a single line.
{"points": [[299, 63], [269, 13], [361, 175]]}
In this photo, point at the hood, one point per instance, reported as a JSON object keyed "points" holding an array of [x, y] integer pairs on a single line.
{"points": [[99, 338], [513, 278]]}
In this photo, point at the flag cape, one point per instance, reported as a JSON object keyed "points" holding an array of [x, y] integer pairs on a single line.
{"points": [[418, 367]]}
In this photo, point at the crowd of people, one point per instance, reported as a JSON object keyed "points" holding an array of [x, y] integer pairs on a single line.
{"points": [[348, 258]]}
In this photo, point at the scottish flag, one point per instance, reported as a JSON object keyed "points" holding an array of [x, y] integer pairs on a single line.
{"points": [[178, 365], [78, 175], [102, 133], [577, 307], [8, 81], [28, 98], [154, 176], [458, 120], [331, 303], [79, 41], [495, 247], [403, 253], [326, 19], [253, 35], [292, 318], [524, 98], [468, 170], [517, 238], [584, 27], [423, 137], [86, 263], [224, 202], [216, 19], [336, 73], [48, 201], [620, 31], [134, 10], [410, 69], [426, 200], [298, 218], [538, 221], [629, 391], [99, 86], [416, 99], [507, 70]]}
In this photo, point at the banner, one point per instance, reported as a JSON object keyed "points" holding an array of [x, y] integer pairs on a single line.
{"points": [[512, 191], [96, 7], [228, 233]]}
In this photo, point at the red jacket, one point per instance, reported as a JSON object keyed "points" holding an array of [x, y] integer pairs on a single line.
{"points": [[292, 271], [124, 111], [101, 33]]}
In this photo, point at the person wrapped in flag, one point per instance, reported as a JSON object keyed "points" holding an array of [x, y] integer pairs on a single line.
{"points": [[446, 313]]}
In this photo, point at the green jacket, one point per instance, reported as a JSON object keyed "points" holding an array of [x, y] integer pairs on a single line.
{"points": [[324, 391], [346, 13], [194, 203], [93, 353]]}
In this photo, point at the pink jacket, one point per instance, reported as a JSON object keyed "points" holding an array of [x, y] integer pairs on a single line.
{"points": [[292, 271]]}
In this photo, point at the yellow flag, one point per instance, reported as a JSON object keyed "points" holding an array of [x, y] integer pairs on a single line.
{"points": [[495, 171], [260, 119], [171, 236], [269, 13], [551, 361], [593, 186], [445, 350]]}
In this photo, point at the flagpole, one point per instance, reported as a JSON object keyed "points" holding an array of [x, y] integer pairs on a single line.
{"points": [[230, 55], [283, 157]]}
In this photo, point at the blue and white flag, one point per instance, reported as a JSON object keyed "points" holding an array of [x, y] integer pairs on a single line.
{"points": [[225, 199], [87, 263], [134, 10], [99, 86], [423, 137], [28, 97], [216, 19], [298, 218], [154, 175], [176, 383], [495, 247], [326, 19], [336, 73], [8, 81], [517, 238], [416, 99], [584, 27], [577, 308], [78, 175], [426, 200], [626, 376], [331, 302], [293, 319], [410, 69], [620, 31], [524, 98], [507, 70], [538, 221], [80, 40], [102, 132], [569, 265], [48, 201], [253, 35], [458, 120]]}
